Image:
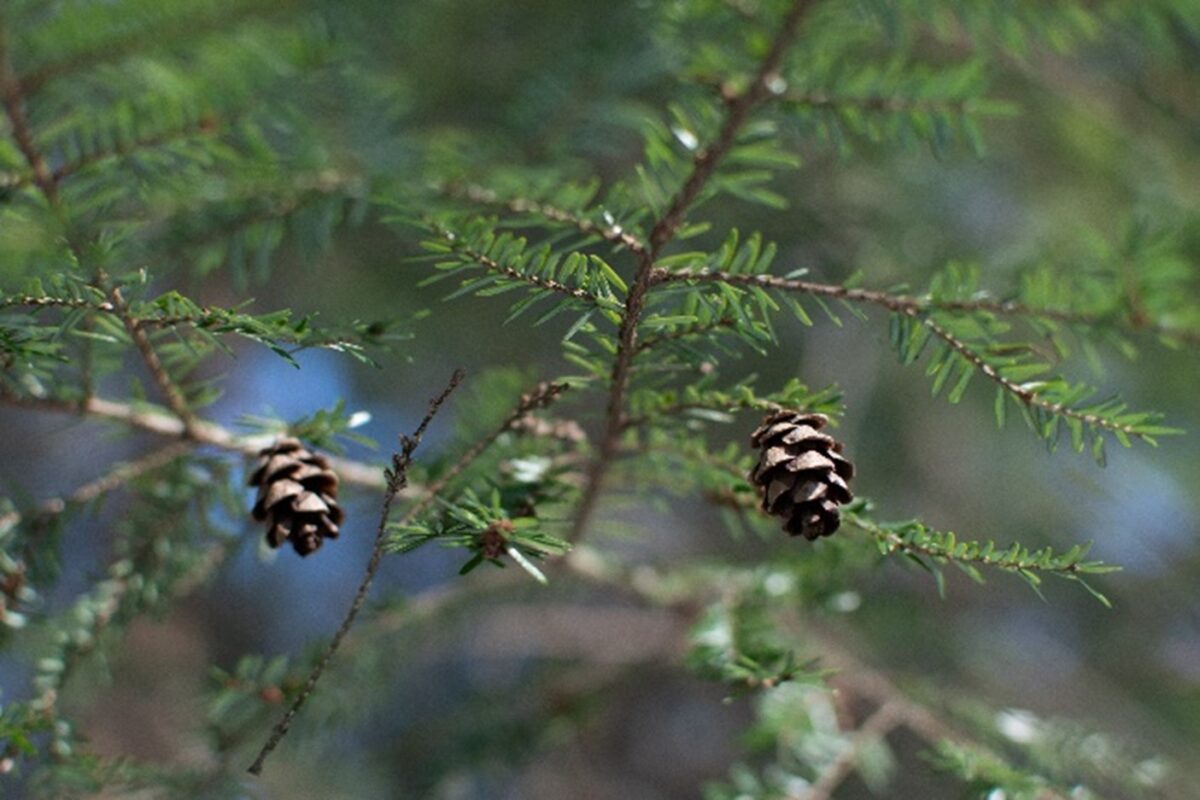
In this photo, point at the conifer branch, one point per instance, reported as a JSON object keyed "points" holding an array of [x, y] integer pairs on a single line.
{"points": [[492, 265], [737, 112], [907, 304], [14, 106], [613, 233], [540, 396], [205, 126], [686, 333], [877, 726], [155, 421], [915, 539], [110, 481], [166, 384], [875, 103], [270, 206], [1025, 395], [856, 677], [46, 301], [397, 479], [850, 673], [189, 25]]}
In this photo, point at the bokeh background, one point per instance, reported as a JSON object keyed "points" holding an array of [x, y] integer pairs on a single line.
{"points": [[486, 703]]}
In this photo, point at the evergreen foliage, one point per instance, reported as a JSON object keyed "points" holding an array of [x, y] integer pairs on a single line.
{"points": [[160, 161]]}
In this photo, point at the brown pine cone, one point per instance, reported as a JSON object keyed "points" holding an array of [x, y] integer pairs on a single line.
{"points": [[297, 496], [801, 473]]}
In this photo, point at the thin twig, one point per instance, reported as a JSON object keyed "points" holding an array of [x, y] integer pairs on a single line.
{"points": [[737, 112], [397, 478], [133, 38], [1021, 393], [541, 396], [166, 384], [155, 421], [36, 302], [205, 126], [646, 585], [492, 265], [110, 481], [47, 182], [886, 718], [901, 303], [685, 332], [518, 205]]}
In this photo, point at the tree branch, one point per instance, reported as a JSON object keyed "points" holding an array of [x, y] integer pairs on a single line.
{"points": [[397, 479], [1021, 393], [699, 329], [490, 264], [47, 183], [876, 103], [141, 340], [541, 396], [886, 718], [646, 585], [192, 26], [154, 421], [613, 233], [206, 125], [110, 481], [901, 303], [737, 111]]}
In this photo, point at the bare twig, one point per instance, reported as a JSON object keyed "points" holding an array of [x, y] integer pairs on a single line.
{"points": [[541, 396], [737, 112], [851, 674], [886, 718], [153, 420], [397, 478], [113, 479]]}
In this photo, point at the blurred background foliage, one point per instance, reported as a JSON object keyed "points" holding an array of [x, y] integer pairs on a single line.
{"points": [[1087, 151]]}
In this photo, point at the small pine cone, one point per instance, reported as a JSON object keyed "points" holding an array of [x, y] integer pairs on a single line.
{"points": [[801, 473], [297, 496]]}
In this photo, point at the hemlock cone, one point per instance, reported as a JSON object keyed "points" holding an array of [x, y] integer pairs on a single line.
{"points": [[297, 496], [801, 473]]}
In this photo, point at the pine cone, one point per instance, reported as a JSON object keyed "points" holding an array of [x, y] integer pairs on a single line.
{"points": [[801, 473], [297, 496]]}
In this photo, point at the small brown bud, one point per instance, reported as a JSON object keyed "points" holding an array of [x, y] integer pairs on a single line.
{"points": [[494, 539], [271, 695]]}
